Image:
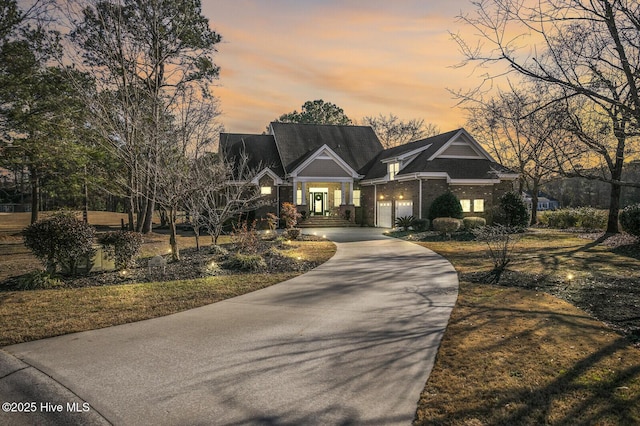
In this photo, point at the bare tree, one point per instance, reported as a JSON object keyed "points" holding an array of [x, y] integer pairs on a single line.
{"points": [[393, 132], [521, 133], [585, 51]]}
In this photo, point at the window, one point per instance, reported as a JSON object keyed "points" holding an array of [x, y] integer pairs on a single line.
{"points": [[265, 190], [356, 198], [337, 198], [394, 168], [466, 205], [478, 206], [299, 197]]}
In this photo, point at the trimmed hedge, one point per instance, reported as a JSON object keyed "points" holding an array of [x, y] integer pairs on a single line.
{"points": [[473, 222], [446, 225]]}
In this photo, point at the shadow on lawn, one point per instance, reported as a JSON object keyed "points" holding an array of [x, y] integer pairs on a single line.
{"points": [[579, 386]]}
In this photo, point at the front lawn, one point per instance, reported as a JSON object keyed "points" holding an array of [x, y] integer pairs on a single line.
{"points": [[516, 354]]}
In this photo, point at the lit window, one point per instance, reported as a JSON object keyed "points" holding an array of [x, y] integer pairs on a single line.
{"points": [[394, 168], [265, 190], [299, 197], [478, 206], [466, 205], [356, 198], [337, 198]]}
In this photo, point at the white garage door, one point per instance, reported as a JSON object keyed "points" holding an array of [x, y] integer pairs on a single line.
{"points": [[404, 208], [384, 214]]}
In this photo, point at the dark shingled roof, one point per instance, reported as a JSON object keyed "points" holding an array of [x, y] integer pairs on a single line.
{"points": [[261, 150], [456, 168], [377, 169], [356, 145]]}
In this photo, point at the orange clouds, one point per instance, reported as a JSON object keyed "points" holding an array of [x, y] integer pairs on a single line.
{"points": [[367, 57]]}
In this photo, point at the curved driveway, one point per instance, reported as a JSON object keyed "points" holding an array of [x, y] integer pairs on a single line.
{"points": [[351, 342]]}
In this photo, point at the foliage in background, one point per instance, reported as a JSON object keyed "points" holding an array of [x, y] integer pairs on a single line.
{"points": [[60, 242], [630, 219], [122, 246], [582, 217], [316, 112], [446, 205]]}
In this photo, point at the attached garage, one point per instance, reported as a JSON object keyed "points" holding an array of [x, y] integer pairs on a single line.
{"points": [[404, 208], [384, 219]]}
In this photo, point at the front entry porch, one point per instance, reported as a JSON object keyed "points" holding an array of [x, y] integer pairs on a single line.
{"points": [[327, 199]]}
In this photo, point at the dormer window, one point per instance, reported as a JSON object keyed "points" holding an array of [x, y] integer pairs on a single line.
{"points": [[394, 168]]}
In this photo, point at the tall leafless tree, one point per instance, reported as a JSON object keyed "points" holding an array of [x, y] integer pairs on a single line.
{"points": [[586, 52], [393, 132]]}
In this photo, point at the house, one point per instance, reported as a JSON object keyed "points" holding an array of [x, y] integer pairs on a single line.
{"points": [[329, 170], [545, 201]]}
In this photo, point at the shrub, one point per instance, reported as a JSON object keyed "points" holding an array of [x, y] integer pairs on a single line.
{"points": [[630, 219], [292, 233], [500, 240], [122, 246], [405, 222], [446, 205], [245, 237], [272, 221], [473, 222], [446, 225], [244, 262], [60, 241], [512, 211], [290, 215], [583, 217], [421, 225], [38, 280], [217, 250]]}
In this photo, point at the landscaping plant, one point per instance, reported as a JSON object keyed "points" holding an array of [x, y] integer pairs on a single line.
{"points": [[290, 215], [501, 241], [60, 242], [405, 222], [421, 225], [446, 205], [473, 222], [512, 211], [446, 225], [122, 246], [630, 219]]}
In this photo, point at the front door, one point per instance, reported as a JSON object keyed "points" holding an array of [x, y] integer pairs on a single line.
{"points": [[317, 203]]}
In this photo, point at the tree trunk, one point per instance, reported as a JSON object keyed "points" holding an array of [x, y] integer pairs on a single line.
{"points": [[614, 208], [147, 225], [173, 238], [196, 231], [35, 196]]}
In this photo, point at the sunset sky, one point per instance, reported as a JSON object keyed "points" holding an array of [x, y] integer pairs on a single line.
{"points": [[368, 57]]}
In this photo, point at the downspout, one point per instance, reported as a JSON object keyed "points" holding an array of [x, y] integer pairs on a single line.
{"points": [[375, 205], [420, 200]]}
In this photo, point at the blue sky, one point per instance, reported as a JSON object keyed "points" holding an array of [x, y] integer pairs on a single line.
{"points": [[368, 57]]}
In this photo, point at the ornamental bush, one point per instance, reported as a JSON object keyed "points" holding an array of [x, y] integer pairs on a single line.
{"points": [[630, 219], [421, 225], [122, 246], [512, 211], [405, 222], [289, 213], [60, 242], [473, 222], [244, 262], [446, 205], [446, 225], [582, 217]]}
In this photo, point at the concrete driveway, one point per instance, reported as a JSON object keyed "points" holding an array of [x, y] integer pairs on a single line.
{"points": [[351, 342]]}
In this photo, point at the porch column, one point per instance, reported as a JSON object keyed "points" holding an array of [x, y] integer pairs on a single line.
{"points": [[351, 192], [295, 191], [343, 193], [304, 193]]}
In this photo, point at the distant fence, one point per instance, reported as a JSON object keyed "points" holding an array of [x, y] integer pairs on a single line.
{"points": [[14, 208]]}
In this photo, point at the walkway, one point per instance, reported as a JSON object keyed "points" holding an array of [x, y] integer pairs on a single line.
{"points": [[351, 342]]}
